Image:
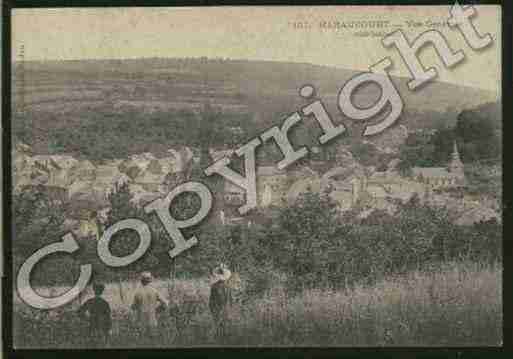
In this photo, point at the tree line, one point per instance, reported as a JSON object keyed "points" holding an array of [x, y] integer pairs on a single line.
{"points": [[308, 241], [477, 132]]}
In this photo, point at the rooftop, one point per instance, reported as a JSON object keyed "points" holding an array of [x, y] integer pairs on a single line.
{"points": [[432, 172], [269, 171]]}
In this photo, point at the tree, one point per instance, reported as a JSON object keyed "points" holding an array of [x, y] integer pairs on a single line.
{"points": [[302, 245], [442, 142], [37, 222], [125, 242], [477, 130]]}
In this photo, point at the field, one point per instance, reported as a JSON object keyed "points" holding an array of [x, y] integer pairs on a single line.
{"points": [[458, 304]]}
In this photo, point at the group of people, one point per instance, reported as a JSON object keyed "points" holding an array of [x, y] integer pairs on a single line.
{"points": [[148, 303]]}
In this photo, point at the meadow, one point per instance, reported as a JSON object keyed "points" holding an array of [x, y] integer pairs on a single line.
{"points": [[453, 304]]}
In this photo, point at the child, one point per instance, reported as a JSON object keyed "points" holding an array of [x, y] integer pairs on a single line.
{"points": [[97, 310]]}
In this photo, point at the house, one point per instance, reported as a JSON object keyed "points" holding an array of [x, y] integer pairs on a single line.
{"points": [[217, 154], [55, 162], [141, 195], [84, 171], [302, 186], [88, 227], [233, 194], [108, 177], [136, 164], [271, 185], [149, 172], [53, 193], [151, 181], [142, 198], [476, 215], [85, 204]]}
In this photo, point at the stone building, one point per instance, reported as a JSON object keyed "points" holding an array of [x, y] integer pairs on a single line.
{"points": [[451, 176]]}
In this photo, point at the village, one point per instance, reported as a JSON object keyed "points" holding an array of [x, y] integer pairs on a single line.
{"points": [[86, 186]]}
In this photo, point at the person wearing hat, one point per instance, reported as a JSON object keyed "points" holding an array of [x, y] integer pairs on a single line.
{"points": [[147, 302], [220, 299]]}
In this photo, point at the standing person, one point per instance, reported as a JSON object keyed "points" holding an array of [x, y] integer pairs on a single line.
{"points": [[97, 310], [147, 302], [220, 299]]}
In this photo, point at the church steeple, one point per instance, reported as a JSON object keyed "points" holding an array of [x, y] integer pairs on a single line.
{"points": [[455, 165], [455, 153]]}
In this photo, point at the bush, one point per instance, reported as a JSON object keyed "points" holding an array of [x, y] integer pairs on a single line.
{"points": [[315, 248]]}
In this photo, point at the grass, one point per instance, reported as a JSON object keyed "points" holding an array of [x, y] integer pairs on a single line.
{"points": [[458, 305]]}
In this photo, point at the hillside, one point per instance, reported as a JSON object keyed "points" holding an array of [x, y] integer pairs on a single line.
{"points": [[149, 102]]}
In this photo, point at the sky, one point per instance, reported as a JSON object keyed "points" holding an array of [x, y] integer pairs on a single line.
{"points": [[255, 33]]}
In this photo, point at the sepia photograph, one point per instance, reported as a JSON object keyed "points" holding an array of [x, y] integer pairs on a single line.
{"points": [[255, 176]]}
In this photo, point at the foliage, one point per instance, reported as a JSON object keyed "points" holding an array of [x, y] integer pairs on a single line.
{"points": [[37, 222], [109, 134], [479, 136], [316, 249], [308, 241], [125, 242], [301, 243], [477, 133]]}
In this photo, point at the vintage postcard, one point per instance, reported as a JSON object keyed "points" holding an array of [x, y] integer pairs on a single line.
{"points": [[307, 176]]}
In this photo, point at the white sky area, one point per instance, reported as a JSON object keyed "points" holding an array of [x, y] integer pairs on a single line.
{"points": [[254, 33]]}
